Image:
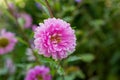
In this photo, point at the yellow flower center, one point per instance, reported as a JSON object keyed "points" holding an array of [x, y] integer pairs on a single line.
{"points": [[55, 38], [39, 77], [3, 42]]}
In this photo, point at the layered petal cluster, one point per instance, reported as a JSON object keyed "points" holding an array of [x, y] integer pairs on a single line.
{"points": [[7, 41], [38, 73], [55, 38]]}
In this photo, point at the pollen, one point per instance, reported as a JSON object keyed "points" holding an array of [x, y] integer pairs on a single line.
{"points": [[55, 38], [39, 77]]}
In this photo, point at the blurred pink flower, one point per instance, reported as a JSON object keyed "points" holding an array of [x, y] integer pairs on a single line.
{"points": [[38, 73], [30, 55], [38, 5], [27, 19], [34, 27], [55, 38], [78, 1], [7, 41], [10, 66], [11, 6], [13, 9]]}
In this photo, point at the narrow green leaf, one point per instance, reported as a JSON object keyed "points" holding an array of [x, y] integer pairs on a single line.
{"points": [[73, 58], [87, 57], [83, 57], [22, 41]]}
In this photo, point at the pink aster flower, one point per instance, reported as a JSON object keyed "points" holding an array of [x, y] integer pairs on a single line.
{"points": [[27, 19], [7, 41], [55, 38], [38, 73]]}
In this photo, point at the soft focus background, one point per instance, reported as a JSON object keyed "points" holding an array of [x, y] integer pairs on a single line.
{"points": [[97, 26]]}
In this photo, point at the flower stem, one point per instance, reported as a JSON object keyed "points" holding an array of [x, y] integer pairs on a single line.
{"points": [[60, 65], [49, 8]]}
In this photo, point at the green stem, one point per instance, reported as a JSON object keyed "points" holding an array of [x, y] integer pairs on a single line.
{"points": [[49, 8]]}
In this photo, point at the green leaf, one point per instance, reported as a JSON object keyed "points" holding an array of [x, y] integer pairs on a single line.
{"points": [[53, 64], [97, 23], [87, 57], [42, 2], [3, 71], [21, 22], [60, 70], [76, 73], [73, 58], [46, 10], [83, 57], [22, 41], [80, 74], [71, 77]]}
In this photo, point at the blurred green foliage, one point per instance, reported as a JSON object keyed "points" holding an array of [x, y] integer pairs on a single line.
{"points": [[97, 25]]}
